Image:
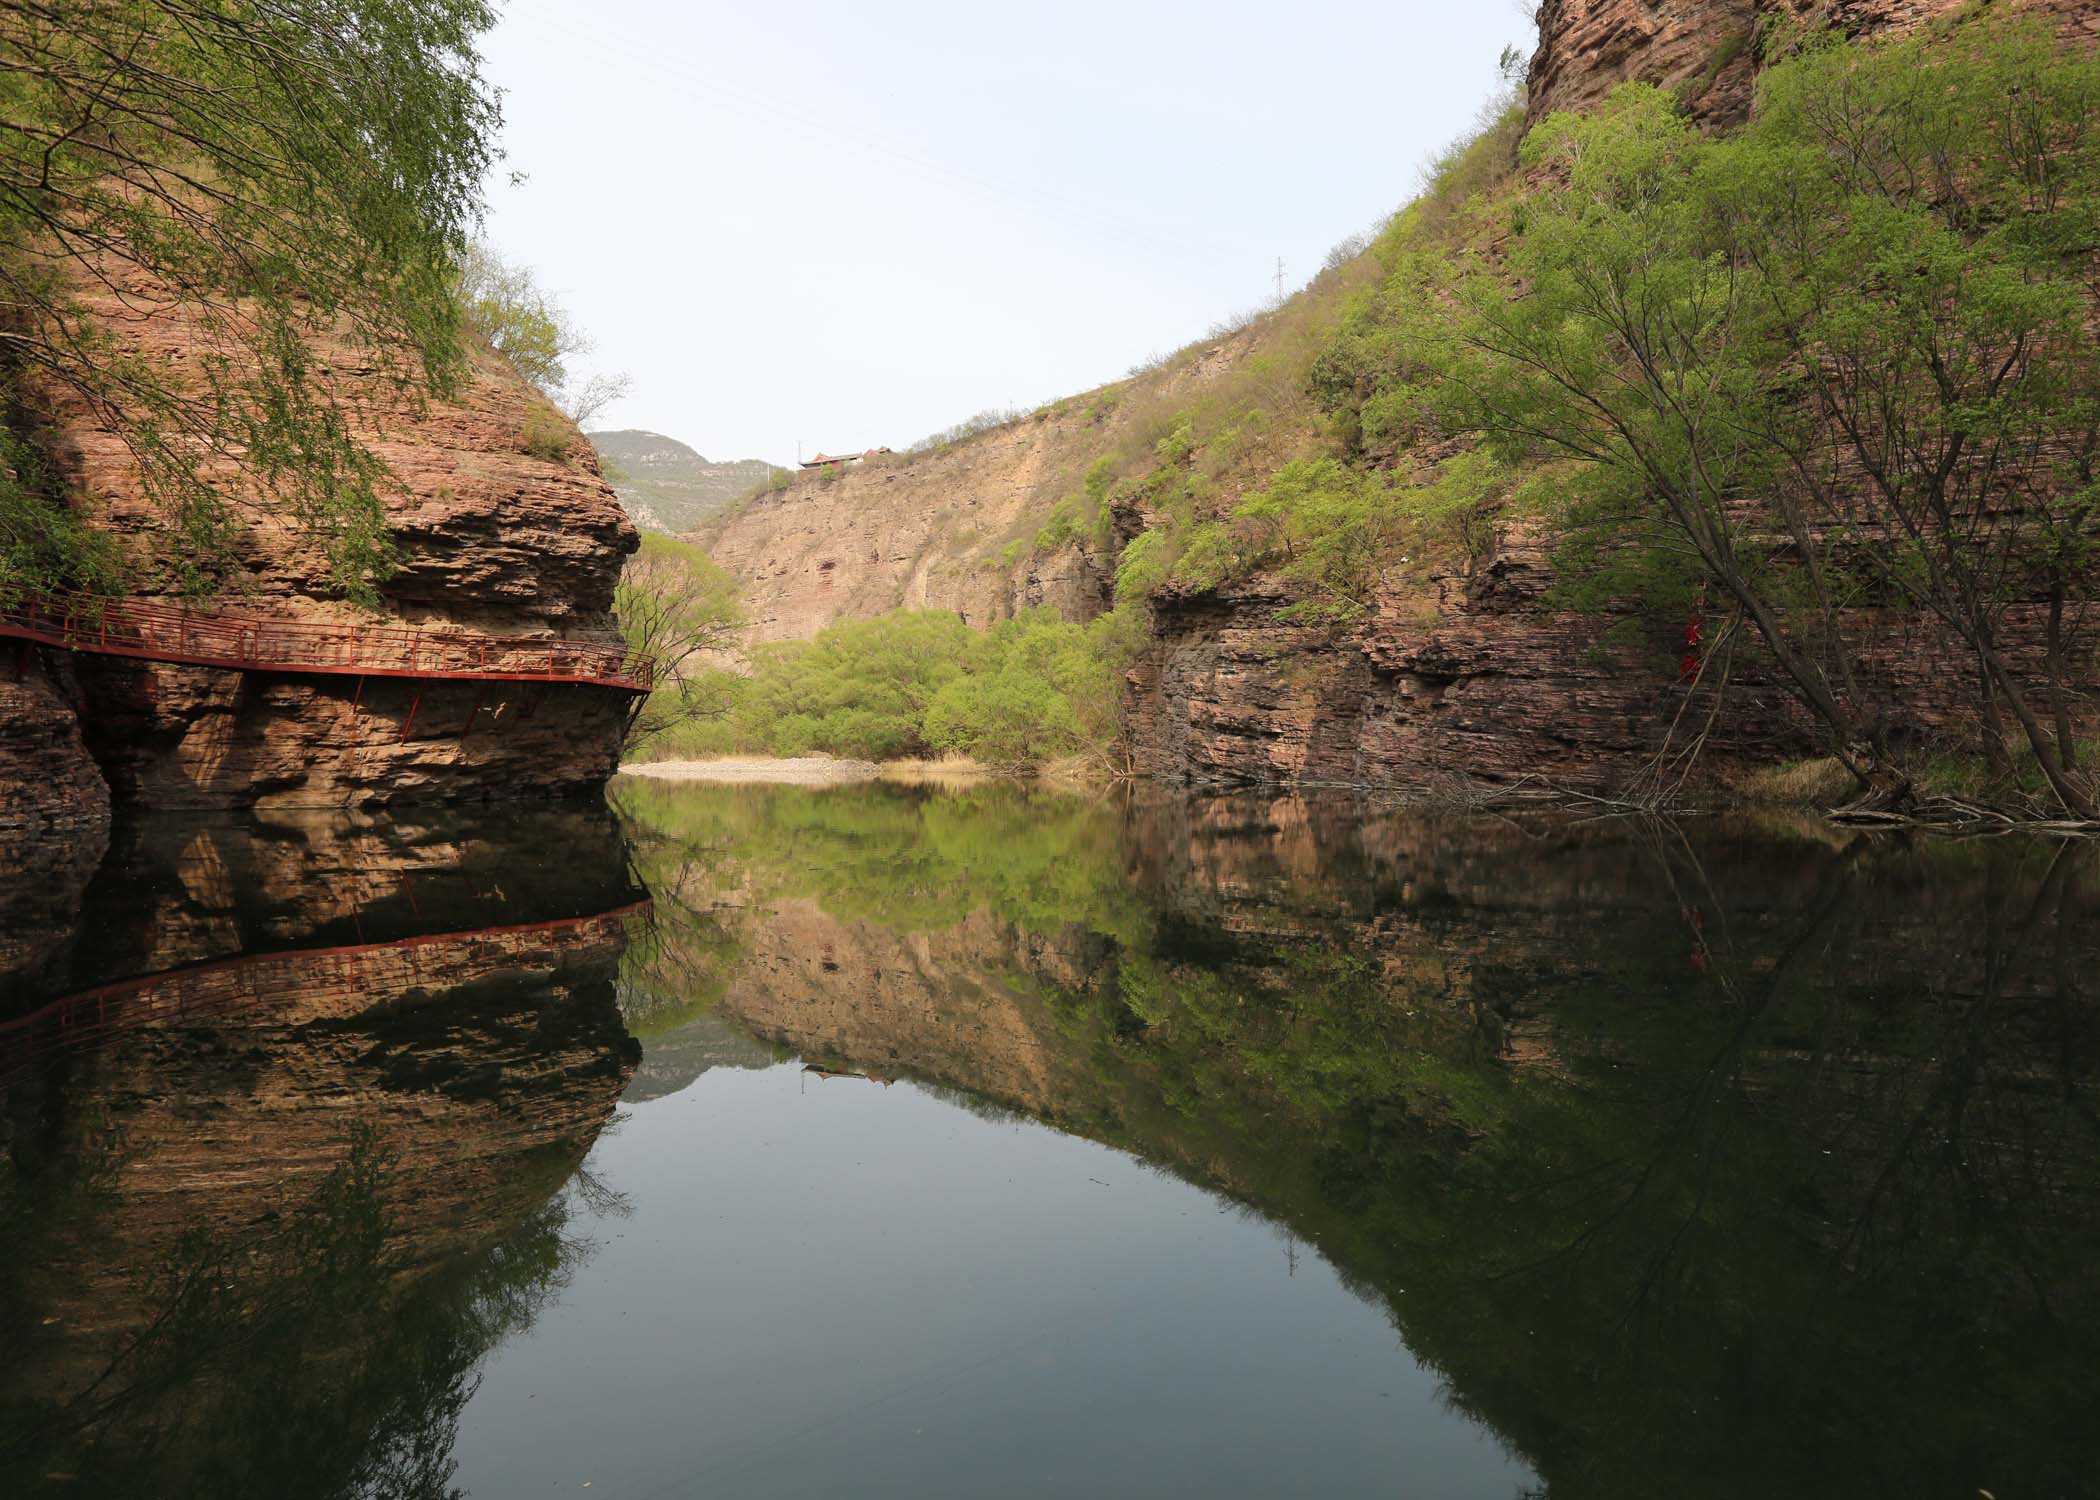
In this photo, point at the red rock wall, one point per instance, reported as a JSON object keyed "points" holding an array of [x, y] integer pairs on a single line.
{"points": [[1706, 49], [1495, 686], [48, 781], [1480, 678], [196, 737], [489, 539], [1587, 47]]}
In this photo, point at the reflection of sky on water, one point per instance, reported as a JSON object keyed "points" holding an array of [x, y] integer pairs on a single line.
{"points": [[832, 1287]]}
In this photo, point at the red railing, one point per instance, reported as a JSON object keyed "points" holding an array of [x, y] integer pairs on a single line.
{"points": [[221, 988], [218, 638]]}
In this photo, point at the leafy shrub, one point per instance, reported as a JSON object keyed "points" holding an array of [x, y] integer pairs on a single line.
{"points": [[1065, 522], [533, 333], [913, 683], [1179, 442], [990, 418], [43, 544], [546, 435], [1143, 567]]}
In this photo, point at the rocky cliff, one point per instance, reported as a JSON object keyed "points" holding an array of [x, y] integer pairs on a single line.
{"points": [[954, 527], [48, 781], [1707, 50], [1481, 678], [1464, 671], [490, 538]]}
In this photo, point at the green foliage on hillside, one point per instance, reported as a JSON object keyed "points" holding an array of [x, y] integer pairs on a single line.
{"points": [[1604, 333], [1600, 331], [1337, 528], [41, 540], [289, 170], [1031, 690], [1919, 216], [1281, 464]]}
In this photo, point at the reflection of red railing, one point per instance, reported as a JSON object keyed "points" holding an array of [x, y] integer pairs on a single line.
{"points": [[213, 638], [227, 986]]}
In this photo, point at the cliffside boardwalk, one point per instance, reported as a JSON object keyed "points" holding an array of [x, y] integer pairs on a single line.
{"points": [[218, 638]]}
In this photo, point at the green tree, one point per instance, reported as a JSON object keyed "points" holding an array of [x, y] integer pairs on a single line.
{"points": [[1920, 217], [1039, 688], [858, 687], [676, 608], [534, 333], [1838, 358], [280, 169]]}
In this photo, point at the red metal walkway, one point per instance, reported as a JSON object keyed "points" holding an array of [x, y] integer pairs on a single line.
{"points": [[217, 638], [217, 989]]}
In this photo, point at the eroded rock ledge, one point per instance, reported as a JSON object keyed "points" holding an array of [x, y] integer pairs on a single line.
{"points": [[490, 540]]}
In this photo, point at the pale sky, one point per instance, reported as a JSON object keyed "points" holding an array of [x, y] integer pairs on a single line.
{"points": [[850, 225]]}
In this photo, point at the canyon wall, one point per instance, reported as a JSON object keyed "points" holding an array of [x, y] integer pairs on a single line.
{"points": [[49, 784], [1707, 50], [1466, 674], [1481, 678], [952, 528], [489, 539], [904, 531]]}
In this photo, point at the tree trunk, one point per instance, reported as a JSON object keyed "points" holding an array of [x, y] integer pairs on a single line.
{"points": [[1881, 786], [2059, 690], [2069, 788], [1995, 756]]}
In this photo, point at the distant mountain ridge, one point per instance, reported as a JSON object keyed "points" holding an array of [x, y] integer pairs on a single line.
{"points": [[667, 486]]}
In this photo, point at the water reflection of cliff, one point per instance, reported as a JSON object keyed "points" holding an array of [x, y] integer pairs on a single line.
{"points": [[1728, 1160], [292, 1114]]}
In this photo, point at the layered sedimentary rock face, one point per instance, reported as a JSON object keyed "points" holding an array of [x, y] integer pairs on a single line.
{"points": [[1483, 678], [1707, 50], [948, 531], [963, 526], [489, 536], [48, 781], [169, 736], [489, 539]]}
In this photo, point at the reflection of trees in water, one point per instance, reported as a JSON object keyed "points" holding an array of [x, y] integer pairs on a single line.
{"points": [[908, 859], [1720, 1160], [204, 1287], [1788, 1179], [294, 1359]]}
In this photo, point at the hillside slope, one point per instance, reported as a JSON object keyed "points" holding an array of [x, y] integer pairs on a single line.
{"points": [[1454, 656], [1015, 516], [667, 486]]}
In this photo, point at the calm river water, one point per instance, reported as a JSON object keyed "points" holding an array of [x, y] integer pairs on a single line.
{"points": [[749, 1141]]}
